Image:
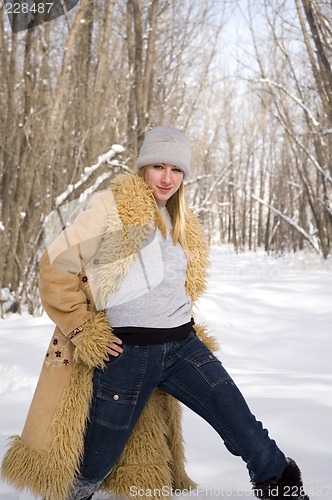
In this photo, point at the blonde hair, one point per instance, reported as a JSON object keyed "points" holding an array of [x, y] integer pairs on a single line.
{"points": [[177, 209]]}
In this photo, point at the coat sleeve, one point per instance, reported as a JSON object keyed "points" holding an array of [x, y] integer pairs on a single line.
{"points": [[61, 264], [79, 242], [62, 298]]}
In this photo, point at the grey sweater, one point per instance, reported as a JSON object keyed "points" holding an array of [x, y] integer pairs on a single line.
{"points": [[153, 294]]}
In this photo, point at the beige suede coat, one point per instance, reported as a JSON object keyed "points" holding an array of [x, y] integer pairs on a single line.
{"points": [[77, 273]]}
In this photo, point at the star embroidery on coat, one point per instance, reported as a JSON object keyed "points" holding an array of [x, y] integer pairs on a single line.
{"points": [[84, 279], [58, 354], [66, 362], [55, 342]]}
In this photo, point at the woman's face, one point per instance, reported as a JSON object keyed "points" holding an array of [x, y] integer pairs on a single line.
{"points": [[164, 180]]}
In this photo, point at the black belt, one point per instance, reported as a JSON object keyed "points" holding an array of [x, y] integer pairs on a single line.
{"points": [[134, 335]]}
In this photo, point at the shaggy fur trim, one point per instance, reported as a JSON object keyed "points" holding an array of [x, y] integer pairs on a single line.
{"points": [[180, 479], [198, 257], [50, 475], [289, 485], [135, 202], [128, 224], [97, 336], [207, 339]]}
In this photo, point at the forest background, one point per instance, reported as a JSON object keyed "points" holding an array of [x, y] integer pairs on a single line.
{"points": [[250, 82]]}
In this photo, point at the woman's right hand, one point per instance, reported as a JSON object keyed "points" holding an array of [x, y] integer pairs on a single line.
{"points": [[114, 349]]}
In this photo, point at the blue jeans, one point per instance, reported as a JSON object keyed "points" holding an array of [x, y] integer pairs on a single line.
{"points": [[187, 370]]}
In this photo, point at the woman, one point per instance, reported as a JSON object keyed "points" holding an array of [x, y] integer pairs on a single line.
{"points": [[120, 284]]}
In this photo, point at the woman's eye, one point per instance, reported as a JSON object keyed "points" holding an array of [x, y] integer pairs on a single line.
{"points": [[158, 166]]}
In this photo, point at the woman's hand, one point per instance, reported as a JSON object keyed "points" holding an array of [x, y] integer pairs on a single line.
{"points": [[114, 349], [96, 343]]}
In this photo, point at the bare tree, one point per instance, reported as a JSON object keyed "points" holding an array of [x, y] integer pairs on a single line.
{"points": [[292, 101]]}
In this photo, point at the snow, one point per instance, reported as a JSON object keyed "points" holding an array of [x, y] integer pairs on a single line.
{"points": [[273, 319], [88, 171]]}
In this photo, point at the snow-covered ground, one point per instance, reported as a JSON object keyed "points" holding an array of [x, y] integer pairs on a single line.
{"points": [[273, 317]]}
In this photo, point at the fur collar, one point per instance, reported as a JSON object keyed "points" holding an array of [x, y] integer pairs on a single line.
{"points": [[132, 219]]}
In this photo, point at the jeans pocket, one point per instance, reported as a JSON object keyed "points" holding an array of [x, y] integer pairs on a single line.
{"points": [[203, 361], [114, 407], [209, 367], [112, 360]]}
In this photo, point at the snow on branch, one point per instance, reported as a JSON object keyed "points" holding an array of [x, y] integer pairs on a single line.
{"points": [[198, 178], [325, 173], [89, 171], [291, 222], [298, 101]]}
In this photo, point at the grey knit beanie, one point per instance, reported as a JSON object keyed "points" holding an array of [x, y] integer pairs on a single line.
{"points": [[165, 145]]}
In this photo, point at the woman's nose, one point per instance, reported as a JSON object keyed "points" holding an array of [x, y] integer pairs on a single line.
{"points": [[166, 176]]}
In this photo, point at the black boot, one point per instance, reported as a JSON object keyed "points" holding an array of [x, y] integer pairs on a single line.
{"points": [[289, 486]]}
